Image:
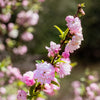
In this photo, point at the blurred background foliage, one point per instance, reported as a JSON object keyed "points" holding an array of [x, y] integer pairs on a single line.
{"points": [[54, 13]]}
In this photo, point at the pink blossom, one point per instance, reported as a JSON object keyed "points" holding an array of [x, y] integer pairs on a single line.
{"points": [[14, 71], [5, 17], [27, 18], [2, 47], [94, 87], [2, 3], [74, 24], [97, 98], [65, 54], [2, 90], [51, 88], [27, 36], [11, 80], [21, 95], [91, 77], [21, 50], [11, 97], [1, 74], [25, 2], [3, 26], [77, 91], [10, 26], [28, 78], [44, 73], [53, 49], [74, 44], [90, 93], [76, 84], [64, 67]]}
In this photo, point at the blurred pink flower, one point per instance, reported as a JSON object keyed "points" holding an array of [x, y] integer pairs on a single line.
{"points": [[25, 2], [94, 87], [21, 95], [5, 17], [1, 74], [14, 71], [11, 97], [27, 18], [2, 90], [2, 47], [76, 84], [10, 26], [21, 50], [27, 36]]}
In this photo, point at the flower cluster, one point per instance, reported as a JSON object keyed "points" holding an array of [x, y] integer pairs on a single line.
{"points": [[45, 77], [9, 77], [17, 21], [87, 89], [74, 25]]}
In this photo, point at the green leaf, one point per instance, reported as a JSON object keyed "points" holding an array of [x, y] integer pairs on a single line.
{"points": [[74, 64], [5, 62], [82, 5], [29, 97], [65, 33], [82, 90], [61, 32], [56, 75], [55, 83], [20, 83], [42, 95], [32, 89], [38, 61], [42, 61]]}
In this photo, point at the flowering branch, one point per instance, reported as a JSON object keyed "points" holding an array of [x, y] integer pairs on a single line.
{"points": [[45, 77]]}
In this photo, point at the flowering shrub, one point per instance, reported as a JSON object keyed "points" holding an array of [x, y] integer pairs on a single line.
{"points": [[45, 78], [88, 88], [9, 78], [17, 21]]}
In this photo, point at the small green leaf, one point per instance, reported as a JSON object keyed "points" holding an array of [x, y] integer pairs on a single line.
{"points": [[32, 89], [42, 61], [20, 83], [38, 61], [55, 83], [29, 97], [61, 32], [74, 64], [82, 5], [42, 95], [65, 33]]}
